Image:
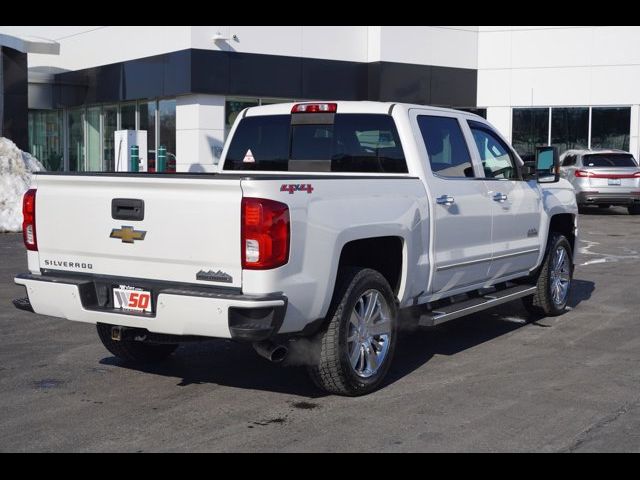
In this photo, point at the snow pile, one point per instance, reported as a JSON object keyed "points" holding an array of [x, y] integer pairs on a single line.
{"points": [[15, 178]]}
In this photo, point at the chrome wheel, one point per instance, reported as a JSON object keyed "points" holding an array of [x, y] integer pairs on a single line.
{"points": [[369, 333], [560, 276]]}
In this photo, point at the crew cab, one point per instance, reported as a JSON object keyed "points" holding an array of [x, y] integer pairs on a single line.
{"points": [[328, 221]]}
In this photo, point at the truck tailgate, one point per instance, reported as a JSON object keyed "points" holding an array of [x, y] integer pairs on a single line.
{"points": [[190, 231]]}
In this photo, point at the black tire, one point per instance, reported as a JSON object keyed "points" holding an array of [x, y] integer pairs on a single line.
{"points": [[542, 303], [133, 350], [634, 209], [332, 370]]}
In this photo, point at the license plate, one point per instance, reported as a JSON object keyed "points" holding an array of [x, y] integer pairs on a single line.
{"points": [[615, 181], [131, 299]]}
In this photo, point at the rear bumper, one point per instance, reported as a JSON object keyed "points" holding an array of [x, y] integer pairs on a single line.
{"points": [[596, 198], [177, 309]]}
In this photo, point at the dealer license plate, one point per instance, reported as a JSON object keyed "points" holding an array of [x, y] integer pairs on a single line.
{"points": [[132, 299]]}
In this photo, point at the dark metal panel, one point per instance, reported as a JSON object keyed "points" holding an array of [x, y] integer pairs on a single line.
{"points": [[177, 73], [245, 74], [456, 87], [15, 93], [333, 80], [265, 75], [209, 72], [401, 82], [143, 78]]}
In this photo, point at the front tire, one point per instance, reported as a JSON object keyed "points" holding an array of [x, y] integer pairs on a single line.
{"points": [[357, 347], [634, 209], [554, 280], [134, 350]]}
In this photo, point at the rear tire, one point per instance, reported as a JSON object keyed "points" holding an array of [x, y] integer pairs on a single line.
{"points": [[554, 280], [133, 350], [357, 347], [634, 209]]}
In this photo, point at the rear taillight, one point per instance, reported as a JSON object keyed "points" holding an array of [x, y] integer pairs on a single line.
{"points": [[636, 175], [315, 108], [582, 174], [265, 234], [29, 220]]}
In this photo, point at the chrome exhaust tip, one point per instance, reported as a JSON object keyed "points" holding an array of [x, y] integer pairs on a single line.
{"points": [[273, 352]]}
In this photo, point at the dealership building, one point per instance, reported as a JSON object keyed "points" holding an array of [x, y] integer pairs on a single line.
{"points": [[65, 90]]}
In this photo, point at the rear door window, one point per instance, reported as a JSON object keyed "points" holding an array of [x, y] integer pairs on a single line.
{"points": [[448, 153], [351, 143]]}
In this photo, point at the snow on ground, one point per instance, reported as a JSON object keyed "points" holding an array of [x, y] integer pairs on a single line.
{"points": [[15, 178]]}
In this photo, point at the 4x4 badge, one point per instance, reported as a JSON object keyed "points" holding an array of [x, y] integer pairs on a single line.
{"points": [[128, 234]]}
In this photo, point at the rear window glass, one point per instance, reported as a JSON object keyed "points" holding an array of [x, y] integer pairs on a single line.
{"points": [[353, 143], [609, 160]]}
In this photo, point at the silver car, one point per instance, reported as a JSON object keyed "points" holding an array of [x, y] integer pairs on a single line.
{"points": [[603, 178]]}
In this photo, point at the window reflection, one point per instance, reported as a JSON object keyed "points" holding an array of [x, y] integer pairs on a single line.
{"points": [[148, 123], [167, 124], [45, 138], [569, 128], [76, 140], [530, 130], [110, 115], [610, 127]]}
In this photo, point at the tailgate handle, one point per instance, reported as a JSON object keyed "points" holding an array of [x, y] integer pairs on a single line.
{"points": [[127, 209]]}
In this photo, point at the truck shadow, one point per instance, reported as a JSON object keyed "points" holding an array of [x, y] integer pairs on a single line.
{"points": [[611, 211], [226, 363]]}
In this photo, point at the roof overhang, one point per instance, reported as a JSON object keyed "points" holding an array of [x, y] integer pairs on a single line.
{"points": [[30, 44]]}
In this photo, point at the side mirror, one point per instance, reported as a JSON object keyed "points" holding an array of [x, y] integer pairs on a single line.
{"points": [[547, 164]]}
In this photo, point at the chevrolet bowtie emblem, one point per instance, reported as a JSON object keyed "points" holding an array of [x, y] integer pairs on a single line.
{"points": [[127, 234]]}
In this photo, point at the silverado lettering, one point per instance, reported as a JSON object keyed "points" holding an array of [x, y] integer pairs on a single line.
{"points": [[58, 263]]}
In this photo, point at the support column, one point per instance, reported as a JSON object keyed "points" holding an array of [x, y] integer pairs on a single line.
{"points": [[14, 106], [634, 143], [200, 126]]}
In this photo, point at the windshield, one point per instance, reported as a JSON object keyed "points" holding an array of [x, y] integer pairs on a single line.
{"points": [[609, 160], [349, 143]]}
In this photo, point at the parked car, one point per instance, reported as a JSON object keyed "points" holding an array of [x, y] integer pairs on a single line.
{"points": [[324, 222], [603, 178]]}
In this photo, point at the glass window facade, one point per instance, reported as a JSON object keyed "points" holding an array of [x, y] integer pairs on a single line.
{"points": [[167, 131], [110, 125], [46, 138], [530, 130], [610, 127], [127, 116], [89, 133], [569, 128], [75, 129], [148, 112]]}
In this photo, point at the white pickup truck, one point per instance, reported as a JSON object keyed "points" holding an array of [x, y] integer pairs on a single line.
{"points": [[325, 220]]}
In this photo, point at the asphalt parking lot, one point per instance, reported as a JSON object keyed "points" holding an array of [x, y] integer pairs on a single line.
{"points": [[493, 382]]}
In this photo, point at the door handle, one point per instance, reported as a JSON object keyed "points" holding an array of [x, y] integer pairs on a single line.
{"points": [[500, 197], [446, 200]]}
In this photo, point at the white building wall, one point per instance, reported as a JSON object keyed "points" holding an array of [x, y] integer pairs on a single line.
{"points": [[445, 46], [91, 46], [558, 66]]}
